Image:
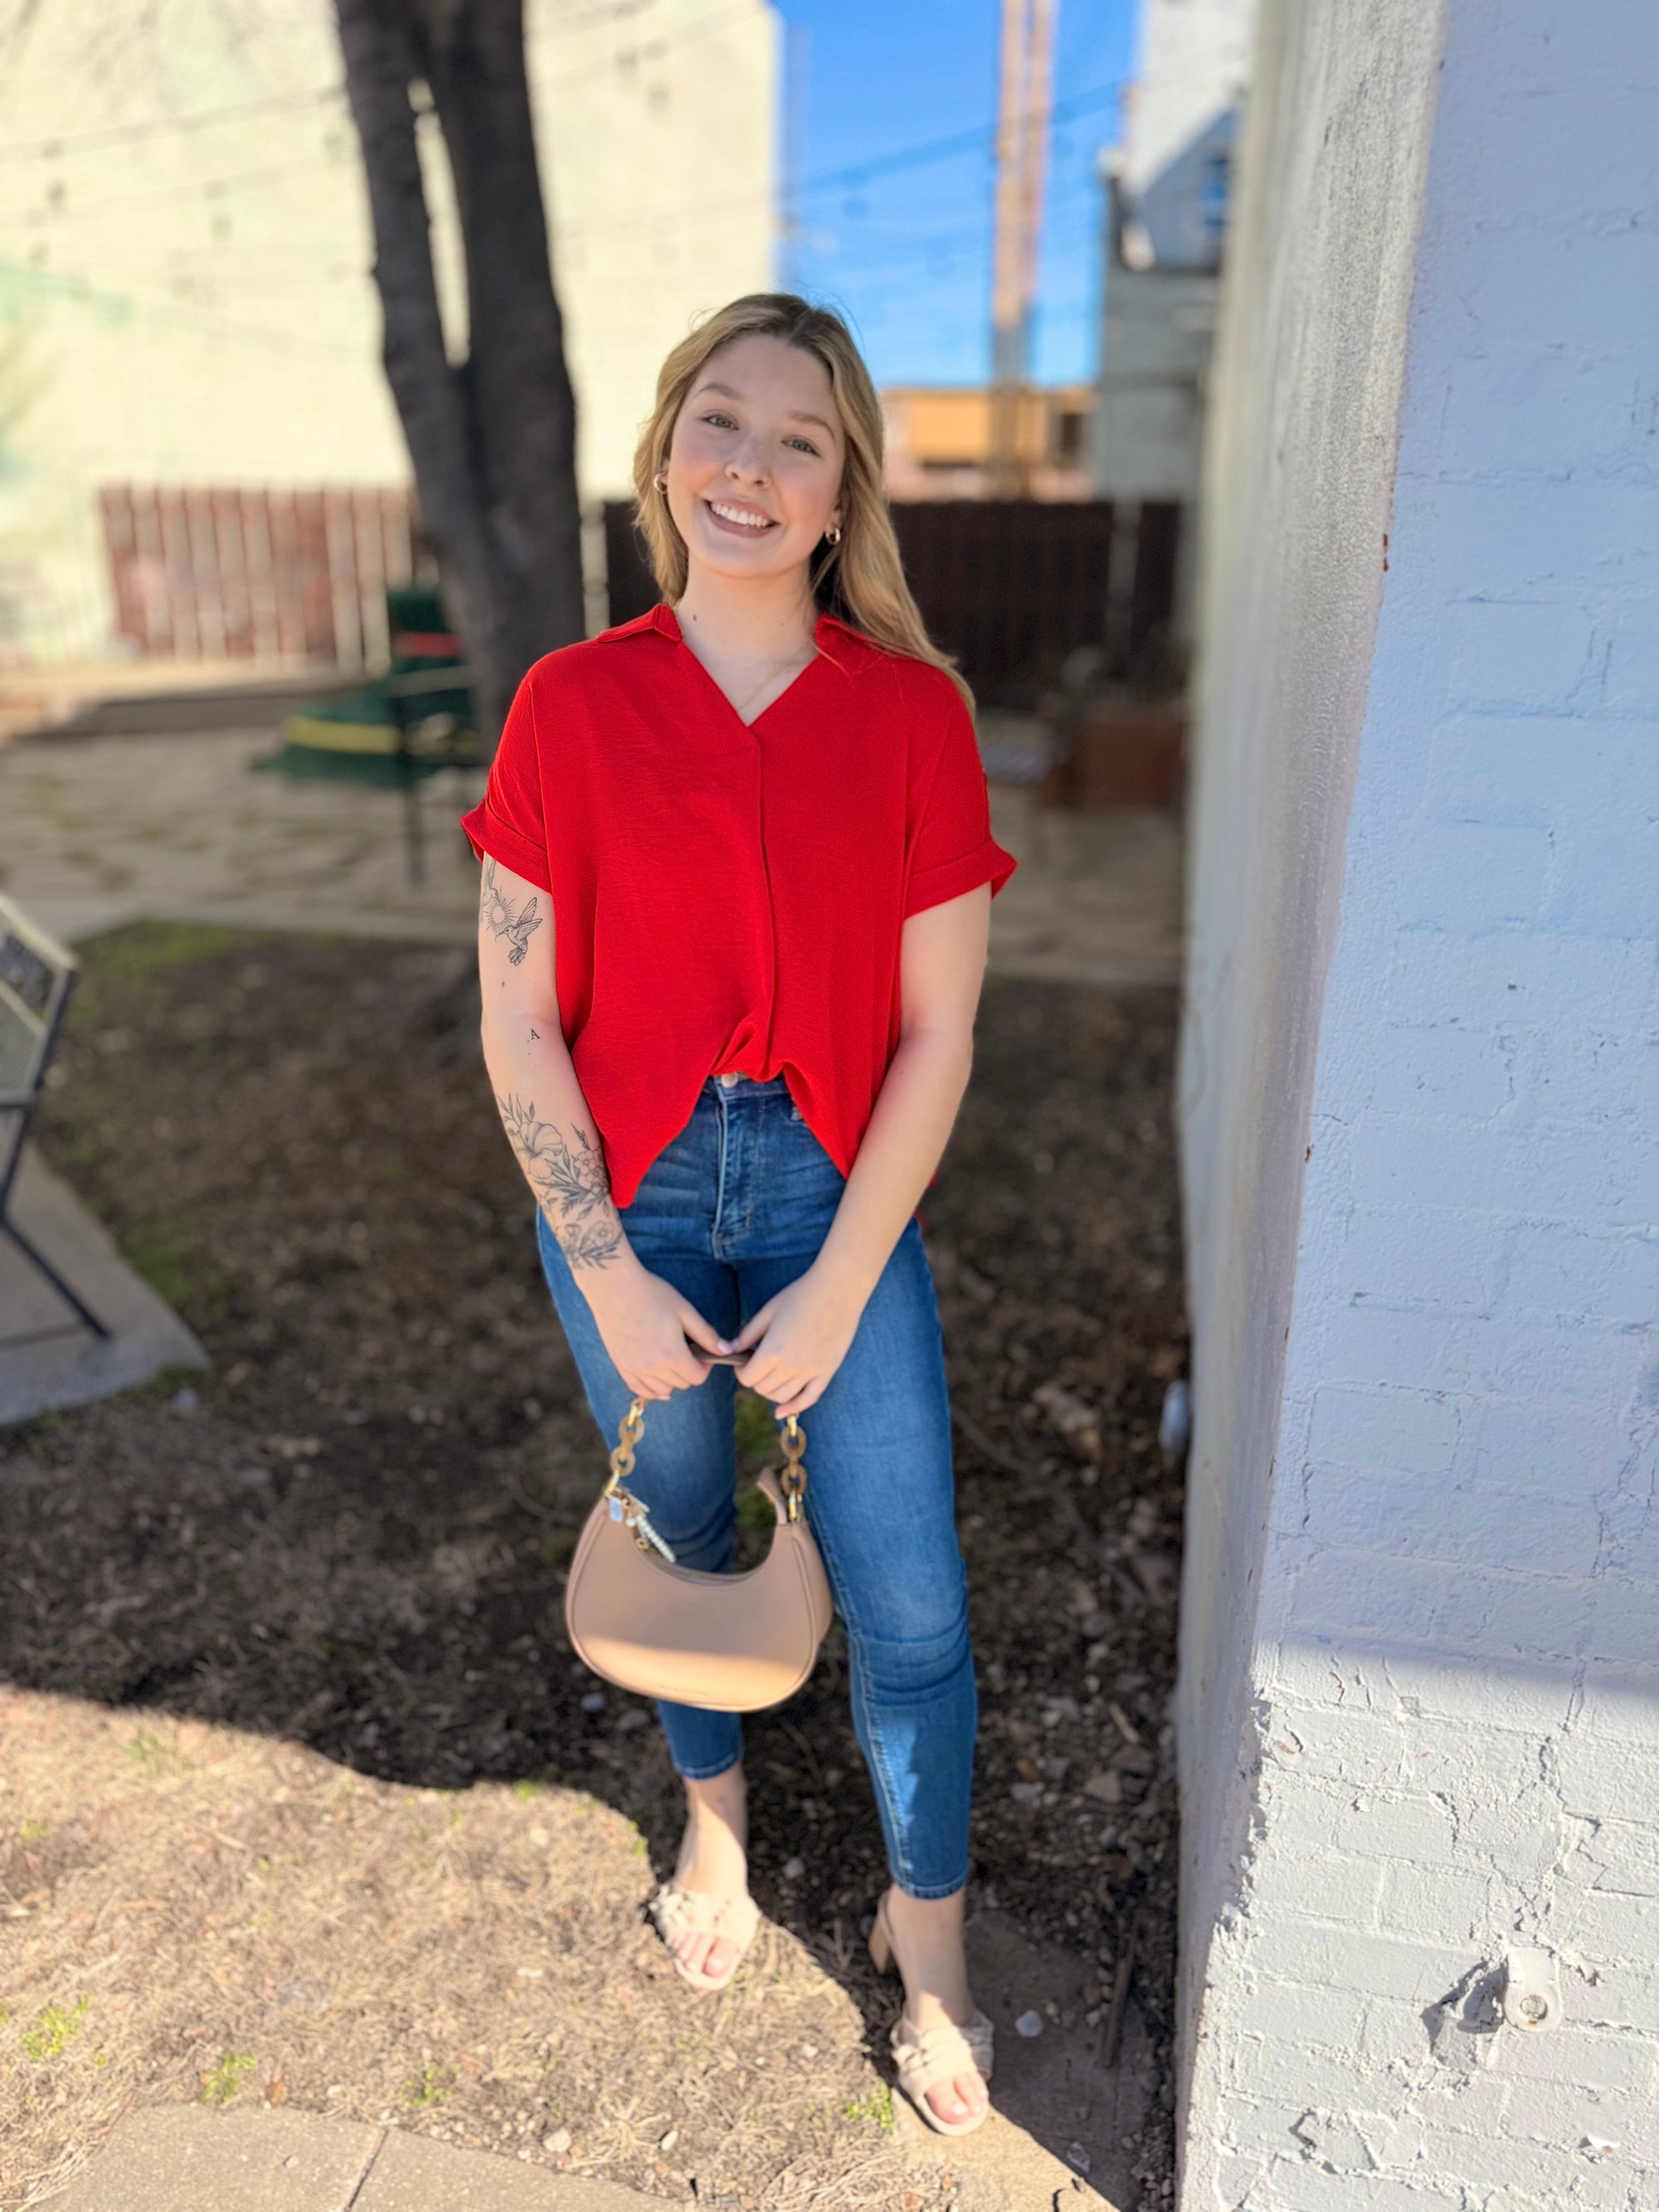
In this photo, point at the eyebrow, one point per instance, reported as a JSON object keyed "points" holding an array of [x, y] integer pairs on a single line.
{"points": [[796, 415]]}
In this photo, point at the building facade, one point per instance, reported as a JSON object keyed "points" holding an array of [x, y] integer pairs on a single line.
{"points": [[939, 442], [1168, 188], [185, 296]]}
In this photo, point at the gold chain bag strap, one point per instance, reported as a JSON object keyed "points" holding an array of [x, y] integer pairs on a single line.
{"points": [[730, 1643]]}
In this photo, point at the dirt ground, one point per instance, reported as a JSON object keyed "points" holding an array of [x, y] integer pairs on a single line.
{"points": [[302, 1793]]}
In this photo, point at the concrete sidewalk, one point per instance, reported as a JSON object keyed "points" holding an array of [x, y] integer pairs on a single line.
{"points": [[181, 2158], [98, 830], [48, 1357]]}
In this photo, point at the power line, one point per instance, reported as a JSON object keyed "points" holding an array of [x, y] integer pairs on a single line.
{"points": [[127, 134]]}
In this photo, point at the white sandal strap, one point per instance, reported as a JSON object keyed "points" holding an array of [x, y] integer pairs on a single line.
{"points": [[941, 2052], [679, 1912]]}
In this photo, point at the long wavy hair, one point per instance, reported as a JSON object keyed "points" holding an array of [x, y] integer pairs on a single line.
{"points": [[861, 579]]}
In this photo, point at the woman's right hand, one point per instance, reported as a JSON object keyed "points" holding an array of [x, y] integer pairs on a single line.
{"points": [[643, 1322]]}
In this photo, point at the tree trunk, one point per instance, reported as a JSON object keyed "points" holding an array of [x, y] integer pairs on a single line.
{"points": [[492, 439]]}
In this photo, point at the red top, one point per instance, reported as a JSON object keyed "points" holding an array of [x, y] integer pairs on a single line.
{"points": [[727, 897]]}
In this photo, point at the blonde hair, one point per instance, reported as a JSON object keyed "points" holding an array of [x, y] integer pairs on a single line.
{"points": [[861, 579]]}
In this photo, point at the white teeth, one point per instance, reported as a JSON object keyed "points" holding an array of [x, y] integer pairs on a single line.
{"points": [[739, 514]]}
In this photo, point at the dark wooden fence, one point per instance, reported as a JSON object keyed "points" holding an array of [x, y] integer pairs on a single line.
{"points": [[1010, 586], [209, 574]]}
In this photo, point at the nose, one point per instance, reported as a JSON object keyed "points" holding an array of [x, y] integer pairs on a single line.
{"points": [[746, 463]]}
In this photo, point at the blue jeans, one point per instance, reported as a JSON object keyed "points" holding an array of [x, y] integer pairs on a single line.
{"points": [[733, 1209]]}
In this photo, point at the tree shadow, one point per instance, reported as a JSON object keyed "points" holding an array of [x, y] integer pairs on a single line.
{"points": [[353, 1533]]}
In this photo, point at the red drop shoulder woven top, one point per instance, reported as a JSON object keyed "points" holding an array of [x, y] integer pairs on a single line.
{"points": [[728, 896]]}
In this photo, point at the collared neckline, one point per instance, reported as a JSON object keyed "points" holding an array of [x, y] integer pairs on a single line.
{"points": [[662, 617]]}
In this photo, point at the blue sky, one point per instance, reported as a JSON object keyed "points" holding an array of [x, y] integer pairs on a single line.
{"points": [[906, 253]]}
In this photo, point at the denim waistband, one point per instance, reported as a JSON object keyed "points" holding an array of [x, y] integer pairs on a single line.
{"points": [[746, 1086]]}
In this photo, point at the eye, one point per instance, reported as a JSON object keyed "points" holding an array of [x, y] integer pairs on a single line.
{"points": [[805, 444], [717, 415]]}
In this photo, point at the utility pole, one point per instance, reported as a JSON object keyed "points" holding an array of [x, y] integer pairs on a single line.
{"points": [[1027, 56]]}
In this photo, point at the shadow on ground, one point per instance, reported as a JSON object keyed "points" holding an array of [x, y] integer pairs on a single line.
{"points": [[335, 1566]]}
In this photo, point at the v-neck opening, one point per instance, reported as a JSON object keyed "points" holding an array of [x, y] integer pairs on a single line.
{"points": [[678, 633]]}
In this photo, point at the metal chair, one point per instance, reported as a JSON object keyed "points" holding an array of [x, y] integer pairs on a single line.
{"points": [[37, 976]]}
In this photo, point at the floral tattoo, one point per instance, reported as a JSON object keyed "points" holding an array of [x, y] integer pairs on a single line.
{"points": [[570, 1182]]}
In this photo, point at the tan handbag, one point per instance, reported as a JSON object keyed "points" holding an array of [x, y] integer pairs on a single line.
{"points": [[732, 1644]]}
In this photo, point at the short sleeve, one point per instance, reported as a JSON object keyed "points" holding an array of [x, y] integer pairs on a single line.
{"points": [[952, 849], [507, 824]]}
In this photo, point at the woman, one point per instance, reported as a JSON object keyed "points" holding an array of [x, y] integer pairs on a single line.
{"points": [[737, 875]]}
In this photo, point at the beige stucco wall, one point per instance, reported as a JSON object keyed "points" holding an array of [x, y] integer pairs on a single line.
{"points": [[184, 286]]}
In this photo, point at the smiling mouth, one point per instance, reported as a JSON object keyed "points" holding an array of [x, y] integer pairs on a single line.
{"points": [[740, 518]]}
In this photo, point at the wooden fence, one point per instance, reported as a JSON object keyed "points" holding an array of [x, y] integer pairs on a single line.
{"points": [[208, 574], [1010, 586]]}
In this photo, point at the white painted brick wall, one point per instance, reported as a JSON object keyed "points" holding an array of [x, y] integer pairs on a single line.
{"points": [[1446, 1599]]}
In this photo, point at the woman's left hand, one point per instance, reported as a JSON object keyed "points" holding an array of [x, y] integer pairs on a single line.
{"points": [[799, 1337]]}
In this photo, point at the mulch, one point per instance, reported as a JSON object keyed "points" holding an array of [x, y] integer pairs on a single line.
{"points": [[350, 1537]]}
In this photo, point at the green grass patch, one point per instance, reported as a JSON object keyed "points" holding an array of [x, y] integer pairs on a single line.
{"points": [[161, 1252], [167, 1382], [164, 1253], [140, 950], [52, 2029], [876, 2107], [219, 2083], [428, 2088], [757, 1430], [123, 968], [755, 1510], [149, 1751]]}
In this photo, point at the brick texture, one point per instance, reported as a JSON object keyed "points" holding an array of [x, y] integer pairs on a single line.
{"points": [[1453, 1746]]}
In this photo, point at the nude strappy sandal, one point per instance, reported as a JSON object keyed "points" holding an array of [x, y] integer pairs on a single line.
{"points": [[676, 1912], [944, 2051]]}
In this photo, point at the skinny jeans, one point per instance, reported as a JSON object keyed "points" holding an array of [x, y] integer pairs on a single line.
{"points": [[734, 1208]]}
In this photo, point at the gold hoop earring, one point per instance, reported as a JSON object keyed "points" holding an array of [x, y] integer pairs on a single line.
{"points": [[659, 481], [834, 536]]}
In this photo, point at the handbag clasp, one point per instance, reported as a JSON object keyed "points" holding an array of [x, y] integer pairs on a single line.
{"points": [[624, 1506]]}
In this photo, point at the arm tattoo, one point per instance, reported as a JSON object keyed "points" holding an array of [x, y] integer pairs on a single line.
{"points": [[501, 921], [570, 1182]]}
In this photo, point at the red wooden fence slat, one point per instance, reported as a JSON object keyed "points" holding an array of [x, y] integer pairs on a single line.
{"points": [[232, 556], [255, 511], [209, 570], [316, 584], [149, 573], [344, 629], [200, 578], [121, 549]]}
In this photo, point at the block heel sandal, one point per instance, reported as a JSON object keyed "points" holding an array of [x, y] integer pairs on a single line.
{"points": [[923, 2060]]}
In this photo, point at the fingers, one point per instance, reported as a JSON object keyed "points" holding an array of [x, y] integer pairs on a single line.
{"points": [[754, 1328], [700, 1331], [795, 1406], [685, 1373], [790, 1394], [639, 1386]]}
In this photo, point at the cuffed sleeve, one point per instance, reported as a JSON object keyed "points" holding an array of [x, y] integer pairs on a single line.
{"points": [[507, 824], [987, 862], [953, 849]]}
